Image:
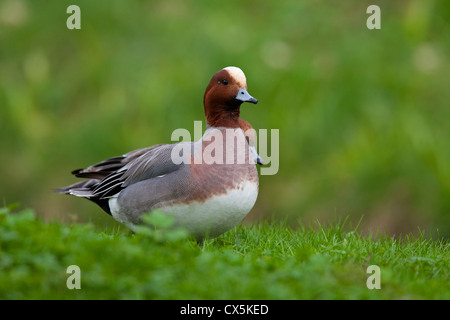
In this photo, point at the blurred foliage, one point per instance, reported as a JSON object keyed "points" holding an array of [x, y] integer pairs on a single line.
{"points": [[363, 114]]}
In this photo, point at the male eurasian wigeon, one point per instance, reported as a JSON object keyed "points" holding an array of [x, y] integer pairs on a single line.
{"points": [[208, 193]]}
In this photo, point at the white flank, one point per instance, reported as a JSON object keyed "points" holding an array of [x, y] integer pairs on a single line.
{"points": [[210, 218], [117, 214], [216, 215]]}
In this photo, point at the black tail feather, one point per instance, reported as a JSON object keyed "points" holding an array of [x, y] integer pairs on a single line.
{"points": [[84, 189]]}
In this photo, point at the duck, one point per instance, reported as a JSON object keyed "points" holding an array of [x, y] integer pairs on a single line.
{"points": [[208, 193]]}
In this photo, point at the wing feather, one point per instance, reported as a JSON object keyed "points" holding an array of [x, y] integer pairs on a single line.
{"points": [[110, 176]]}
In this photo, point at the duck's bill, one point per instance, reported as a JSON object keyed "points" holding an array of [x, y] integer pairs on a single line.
{"points": [[244, 96]]}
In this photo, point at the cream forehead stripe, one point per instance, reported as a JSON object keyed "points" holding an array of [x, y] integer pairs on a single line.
{"points": [[238, 75]]}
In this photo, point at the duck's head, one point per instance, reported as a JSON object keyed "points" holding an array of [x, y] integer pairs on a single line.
{"points": [[223, 97]]}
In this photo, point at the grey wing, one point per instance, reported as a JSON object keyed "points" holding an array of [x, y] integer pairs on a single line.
{"points": [[145, 195], [138, 166], [104, 168], [110, 176]]}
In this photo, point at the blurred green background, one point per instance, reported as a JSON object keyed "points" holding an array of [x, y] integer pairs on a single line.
{"points": [[363, 114]]}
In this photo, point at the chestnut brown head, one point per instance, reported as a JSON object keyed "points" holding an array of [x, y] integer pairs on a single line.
{"points": [[223, 97]]}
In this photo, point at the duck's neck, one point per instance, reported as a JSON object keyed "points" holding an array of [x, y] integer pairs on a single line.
{"points": [[223, 117]]}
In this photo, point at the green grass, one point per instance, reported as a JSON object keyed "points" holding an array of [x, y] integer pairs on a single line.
{"points": [[262, 261]]}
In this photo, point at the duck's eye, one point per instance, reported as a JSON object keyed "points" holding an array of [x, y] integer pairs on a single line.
{"points": [[225, 82]]}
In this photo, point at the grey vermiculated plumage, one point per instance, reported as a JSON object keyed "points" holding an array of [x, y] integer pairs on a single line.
{"points": [[110, 176]]}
